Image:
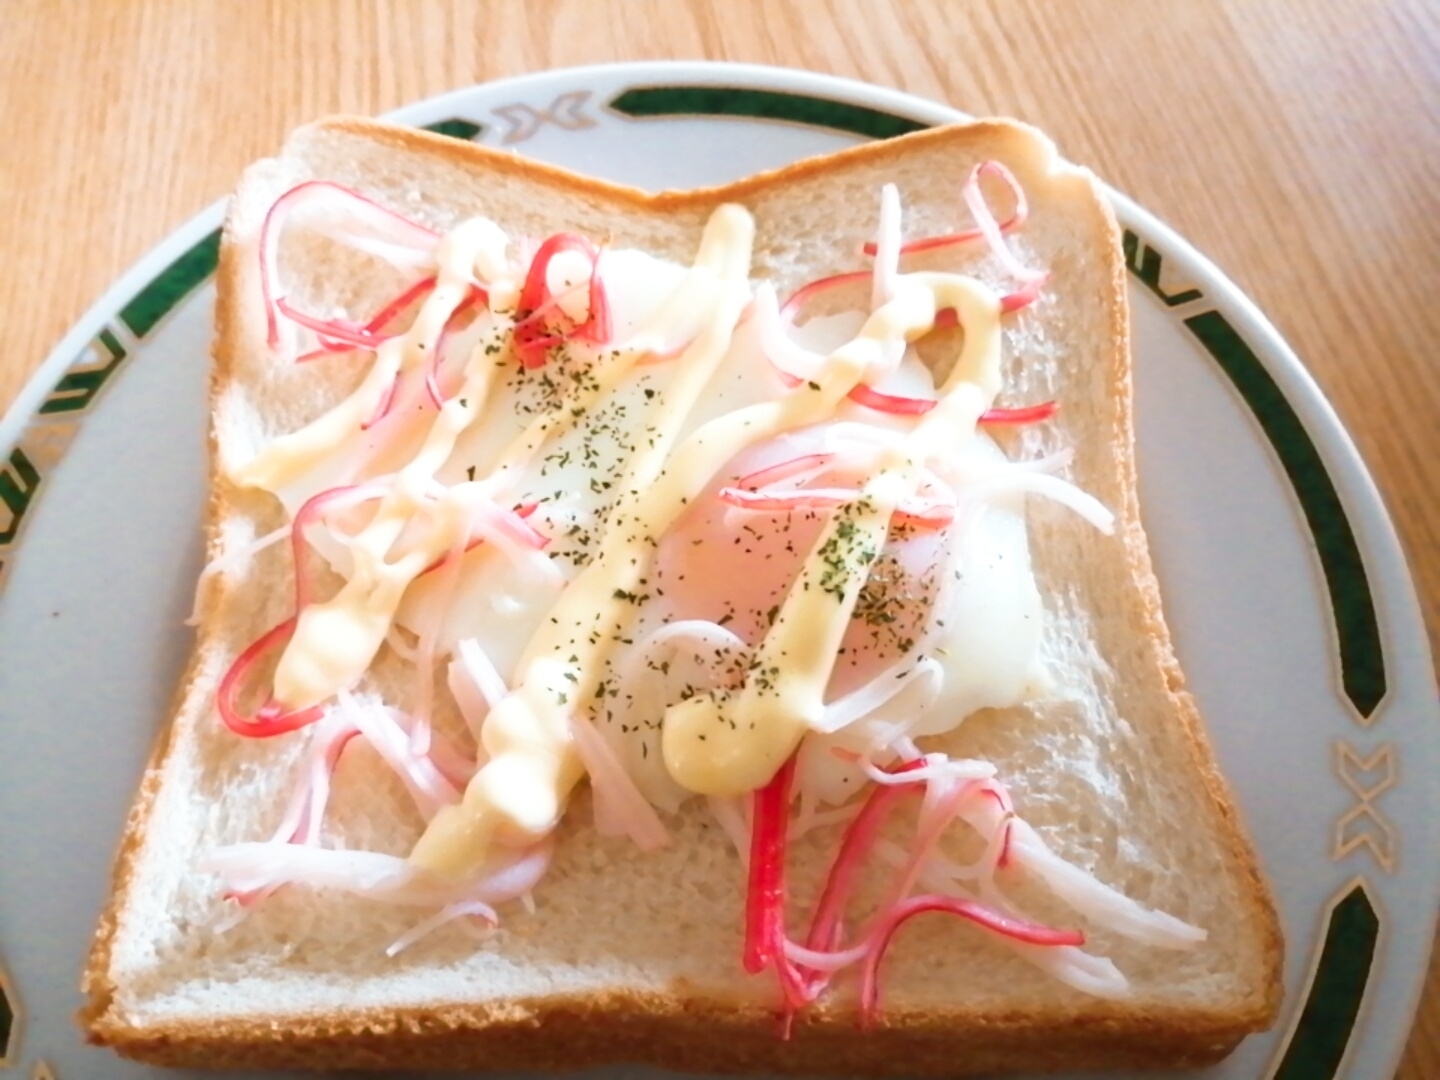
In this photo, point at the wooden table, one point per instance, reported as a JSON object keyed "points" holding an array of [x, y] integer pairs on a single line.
{"points": [[1294, 141]]}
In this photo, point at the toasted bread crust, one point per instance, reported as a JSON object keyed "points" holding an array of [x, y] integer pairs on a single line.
{"points": [[679, 1030], [687, 1035]]}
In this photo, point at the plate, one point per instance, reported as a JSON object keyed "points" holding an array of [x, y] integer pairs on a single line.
{"points": [[1285, 586]]}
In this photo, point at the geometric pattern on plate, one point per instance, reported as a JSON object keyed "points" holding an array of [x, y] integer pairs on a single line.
{"points": [[523, 121], [1365, 825]]}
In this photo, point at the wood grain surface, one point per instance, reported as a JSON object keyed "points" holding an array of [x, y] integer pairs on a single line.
{"points": [[1296, 142]]}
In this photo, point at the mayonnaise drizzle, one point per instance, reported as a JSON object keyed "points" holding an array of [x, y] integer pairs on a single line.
{"points": [[724, 743], [519, 794], [730, 743], [471, 253]]}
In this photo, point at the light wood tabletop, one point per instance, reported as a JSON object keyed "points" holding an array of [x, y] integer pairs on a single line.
{"points": [[1296, 142]]}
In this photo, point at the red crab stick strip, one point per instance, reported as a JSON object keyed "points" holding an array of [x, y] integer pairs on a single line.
{"points": [[972, 184], [926, 513], [856, 844], [532, 338], [766, 891], [765, 943], [1016, 929], [272, 718], [375, 328], [386, 225]]}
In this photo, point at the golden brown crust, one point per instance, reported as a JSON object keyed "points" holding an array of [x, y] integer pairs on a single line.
{"points": [[412, 140], [688, 1034], [681, 1031]]}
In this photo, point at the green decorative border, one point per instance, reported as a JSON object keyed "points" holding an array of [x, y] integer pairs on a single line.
{"points": [[649, 102], [1352, 604], [1145, 263], [19, 481], [1362, 659], [78, 386], [457, 128], [9, 1022], [1336, 994], [177, 281]]}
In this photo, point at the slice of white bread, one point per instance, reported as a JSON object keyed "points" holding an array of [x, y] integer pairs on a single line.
{"points": [[630, 956]]}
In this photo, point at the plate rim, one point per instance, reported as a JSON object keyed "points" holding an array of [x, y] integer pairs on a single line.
{"points": [[1396, 599]]}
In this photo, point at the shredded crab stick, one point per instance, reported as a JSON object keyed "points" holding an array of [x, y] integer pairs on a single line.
{"points": [[486, 521], [312, 512], [769, 493], [302, 820], [375, 328], [273, 717], [429, 779], [989, 227], [805, 970], [301, 824], [533, 338], [316, 663], [796, 469], [1016, 220], [986, 806], [1025, 932], [428, 786], [334, 331], [253, 867], [887, 251], [826, 925], [932, 504], [765, 894], [1020, 414], [1095, 900], [620, 809], [473, 254], [391, 235]]}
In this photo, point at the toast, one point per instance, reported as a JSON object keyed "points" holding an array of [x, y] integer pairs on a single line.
{"points": [[627, 955]]}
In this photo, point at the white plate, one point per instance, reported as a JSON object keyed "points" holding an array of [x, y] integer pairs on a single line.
{"points": [[1291, 605]]}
